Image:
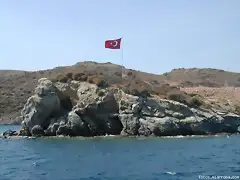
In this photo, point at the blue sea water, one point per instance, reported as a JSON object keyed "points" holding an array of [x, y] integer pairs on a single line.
{"points": [[113, 158]]}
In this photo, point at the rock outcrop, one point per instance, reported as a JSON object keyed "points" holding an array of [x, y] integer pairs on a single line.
{"points": [[83, 109]]}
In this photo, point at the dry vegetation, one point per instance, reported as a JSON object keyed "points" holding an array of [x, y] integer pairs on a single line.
{"points": [[180, 84], [226, 98]]}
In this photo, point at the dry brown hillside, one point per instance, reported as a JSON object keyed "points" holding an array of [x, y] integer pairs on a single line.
{"points": [[203, 77], [17, 86]]}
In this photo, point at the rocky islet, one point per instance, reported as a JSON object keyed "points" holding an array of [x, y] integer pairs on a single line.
{"points": [[83, 109]]}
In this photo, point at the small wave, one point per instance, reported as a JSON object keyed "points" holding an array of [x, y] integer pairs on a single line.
{"points": [[110, 135], [171, 173]]}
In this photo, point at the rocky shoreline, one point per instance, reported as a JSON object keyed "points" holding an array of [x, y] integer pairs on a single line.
{"points": [[83, 109], [119, 137]]}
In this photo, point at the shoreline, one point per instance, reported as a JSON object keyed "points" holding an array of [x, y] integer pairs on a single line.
{"points": [[120, 137]]}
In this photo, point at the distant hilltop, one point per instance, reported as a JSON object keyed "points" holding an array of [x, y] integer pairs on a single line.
{"points": [[217, 88]]}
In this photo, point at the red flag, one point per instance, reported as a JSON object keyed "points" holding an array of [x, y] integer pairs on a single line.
{"points": [[113, 44]]}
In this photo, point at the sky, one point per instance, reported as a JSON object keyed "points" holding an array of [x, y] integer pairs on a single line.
{"points": [[158, 35]]}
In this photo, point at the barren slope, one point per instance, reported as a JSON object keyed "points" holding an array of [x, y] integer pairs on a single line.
{"points": [[17, 86]]}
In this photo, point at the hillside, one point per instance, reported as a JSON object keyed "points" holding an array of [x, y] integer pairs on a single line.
{"points": [[203, 77], [17, 86]]}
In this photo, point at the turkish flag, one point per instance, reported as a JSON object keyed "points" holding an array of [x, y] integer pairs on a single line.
{"points": [[113, 44]]}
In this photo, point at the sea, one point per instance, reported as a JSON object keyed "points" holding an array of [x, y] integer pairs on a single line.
{"points": [[118, 158]]}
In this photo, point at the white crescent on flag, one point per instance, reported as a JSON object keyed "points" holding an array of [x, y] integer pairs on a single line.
{"points": [[114, 43]]}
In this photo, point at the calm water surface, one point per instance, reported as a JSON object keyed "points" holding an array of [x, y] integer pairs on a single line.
{"points": [[118, 158]]}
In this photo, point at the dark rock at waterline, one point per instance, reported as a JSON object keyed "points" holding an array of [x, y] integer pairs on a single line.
{"points": [[77, 126], [64, 130], [37, 131], [130, 124], [52, 129], [9, 133], [106, 111]]}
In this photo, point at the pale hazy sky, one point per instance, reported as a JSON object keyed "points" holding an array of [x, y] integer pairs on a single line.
{"points": [[158, 35]]}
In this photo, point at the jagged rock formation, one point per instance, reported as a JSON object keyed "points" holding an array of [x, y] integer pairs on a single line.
{"points": [[98, 111]]}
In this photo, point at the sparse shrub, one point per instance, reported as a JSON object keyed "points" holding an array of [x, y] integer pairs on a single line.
{"points": [[195, 101], [92, 73], [177, 97], [118, 73], [155, 82], [90, 79], [164, 89], [101, 93], [62, 78], [134, 92], [69, 75], [226, 104], [237, 109], [99, 82], [144, 93], [80, 77], [193, 94], [130, 73], [53, 80], [126, 90], [206, 105]]}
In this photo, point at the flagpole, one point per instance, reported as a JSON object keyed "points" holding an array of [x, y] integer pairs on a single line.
{"points": [[122, 60]]}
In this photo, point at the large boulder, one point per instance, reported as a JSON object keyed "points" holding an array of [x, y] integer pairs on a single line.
{"points": [[130, 123], [77, 126], [68, 92], [231, 123], [98, 109], [43, 105], [158, 117], [130, 108]]}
